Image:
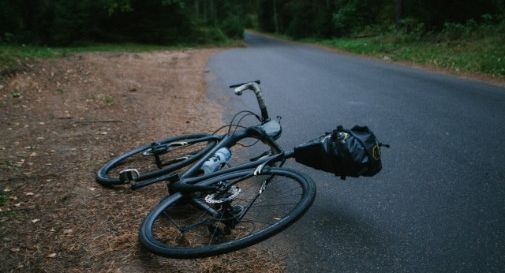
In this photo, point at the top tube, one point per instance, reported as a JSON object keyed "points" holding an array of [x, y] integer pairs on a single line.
{"points": [[228, 141]]}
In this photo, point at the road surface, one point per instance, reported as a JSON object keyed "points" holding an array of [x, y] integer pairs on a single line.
{"points": [[439, 203]]}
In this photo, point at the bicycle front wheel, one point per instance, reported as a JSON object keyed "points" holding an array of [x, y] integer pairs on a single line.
{"points": [[157, 158], [249, 209]]}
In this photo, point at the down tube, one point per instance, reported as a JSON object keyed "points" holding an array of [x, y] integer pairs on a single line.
{"points": [[197, 165]]}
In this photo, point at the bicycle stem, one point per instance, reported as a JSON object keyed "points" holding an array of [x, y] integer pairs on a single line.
{"points": [[255, 87]]}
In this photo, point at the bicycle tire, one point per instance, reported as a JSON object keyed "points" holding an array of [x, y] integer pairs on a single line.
{"points": [[149, 234], [103, 174]]}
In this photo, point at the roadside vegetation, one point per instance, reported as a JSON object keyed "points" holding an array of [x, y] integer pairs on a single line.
{"points": [[16, 57], [459, 36], [164, 22], [458, 47], [462, 36], [40, 29]]}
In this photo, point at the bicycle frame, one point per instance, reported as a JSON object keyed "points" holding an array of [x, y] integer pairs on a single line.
{"points": [[224, 141], [190, 181], [214, 193], [187, 181]]}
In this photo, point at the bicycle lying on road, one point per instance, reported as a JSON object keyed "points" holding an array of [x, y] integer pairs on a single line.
{"points": [[213, 207]]}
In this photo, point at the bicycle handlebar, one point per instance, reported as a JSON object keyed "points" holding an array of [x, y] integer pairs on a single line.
{"points": [[240, 84], [255, 87]]}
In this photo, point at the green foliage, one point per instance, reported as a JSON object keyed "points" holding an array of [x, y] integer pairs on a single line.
{"points": [[15, 94], [66, 22], [460, 35], [453, 31], [344, 19], [232, 27], [251, 21], [337, 18], [471, 51], [118, 5], [211, 35]]}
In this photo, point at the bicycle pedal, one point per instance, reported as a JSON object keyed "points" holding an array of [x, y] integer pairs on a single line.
{"points": [[128, 175]]}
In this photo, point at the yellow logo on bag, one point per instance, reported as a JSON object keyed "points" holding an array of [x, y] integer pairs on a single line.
{"points": [[376, 152]]}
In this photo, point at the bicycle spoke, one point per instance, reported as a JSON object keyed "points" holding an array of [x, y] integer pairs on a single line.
{"points": [[214, 233], [241, 211], [156, 159]]}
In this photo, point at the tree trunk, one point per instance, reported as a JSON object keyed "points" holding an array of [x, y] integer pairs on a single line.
{"points": [[197, 9], [213, 12], [399, 11], [276, 20]]}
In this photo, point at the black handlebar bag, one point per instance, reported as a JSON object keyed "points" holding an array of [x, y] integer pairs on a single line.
{"points": [[343, 152]]}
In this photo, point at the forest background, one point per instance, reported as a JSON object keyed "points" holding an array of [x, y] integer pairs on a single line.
{"points": [[460, 35]]}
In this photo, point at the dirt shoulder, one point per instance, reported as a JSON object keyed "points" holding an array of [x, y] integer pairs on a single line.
{"points": [[61, 120]]}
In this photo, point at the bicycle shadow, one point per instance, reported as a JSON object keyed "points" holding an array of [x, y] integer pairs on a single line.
{"points": [[329, 235]]}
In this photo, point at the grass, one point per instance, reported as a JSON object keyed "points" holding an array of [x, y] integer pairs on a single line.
{"points": [[483, 55], [476, 52], [15, 94], [33, 51], [13, 56]]}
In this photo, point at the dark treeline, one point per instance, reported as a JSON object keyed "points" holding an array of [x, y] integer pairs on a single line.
{"points": [[335, 18], [63, 22], [151, 21]]}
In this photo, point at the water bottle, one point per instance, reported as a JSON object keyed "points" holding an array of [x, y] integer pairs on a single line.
{"points": [[216, 161]]}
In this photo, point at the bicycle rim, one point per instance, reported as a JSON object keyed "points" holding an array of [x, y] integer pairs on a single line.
{"points": [[184, 230], [175, 153]]}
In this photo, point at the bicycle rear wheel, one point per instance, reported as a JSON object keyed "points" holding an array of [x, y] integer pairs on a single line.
{"points": [[249, 209], [157, 158]]}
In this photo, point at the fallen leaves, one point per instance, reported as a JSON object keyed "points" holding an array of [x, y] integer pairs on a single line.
{"points": [[64, 133]]}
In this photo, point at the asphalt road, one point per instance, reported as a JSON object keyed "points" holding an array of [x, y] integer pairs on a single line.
{"points": [[439, 203]]}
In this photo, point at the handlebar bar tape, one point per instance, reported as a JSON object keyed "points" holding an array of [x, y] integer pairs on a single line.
{"points": [[239, 84]]}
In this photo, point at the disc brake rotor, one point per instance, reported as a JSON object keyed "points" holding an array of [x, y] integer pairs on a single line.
{"points": [[219, 198]]}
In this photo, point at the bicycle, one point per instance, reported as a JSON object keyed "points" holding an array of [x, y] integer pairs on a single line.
{"points": [[213, 208]]}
